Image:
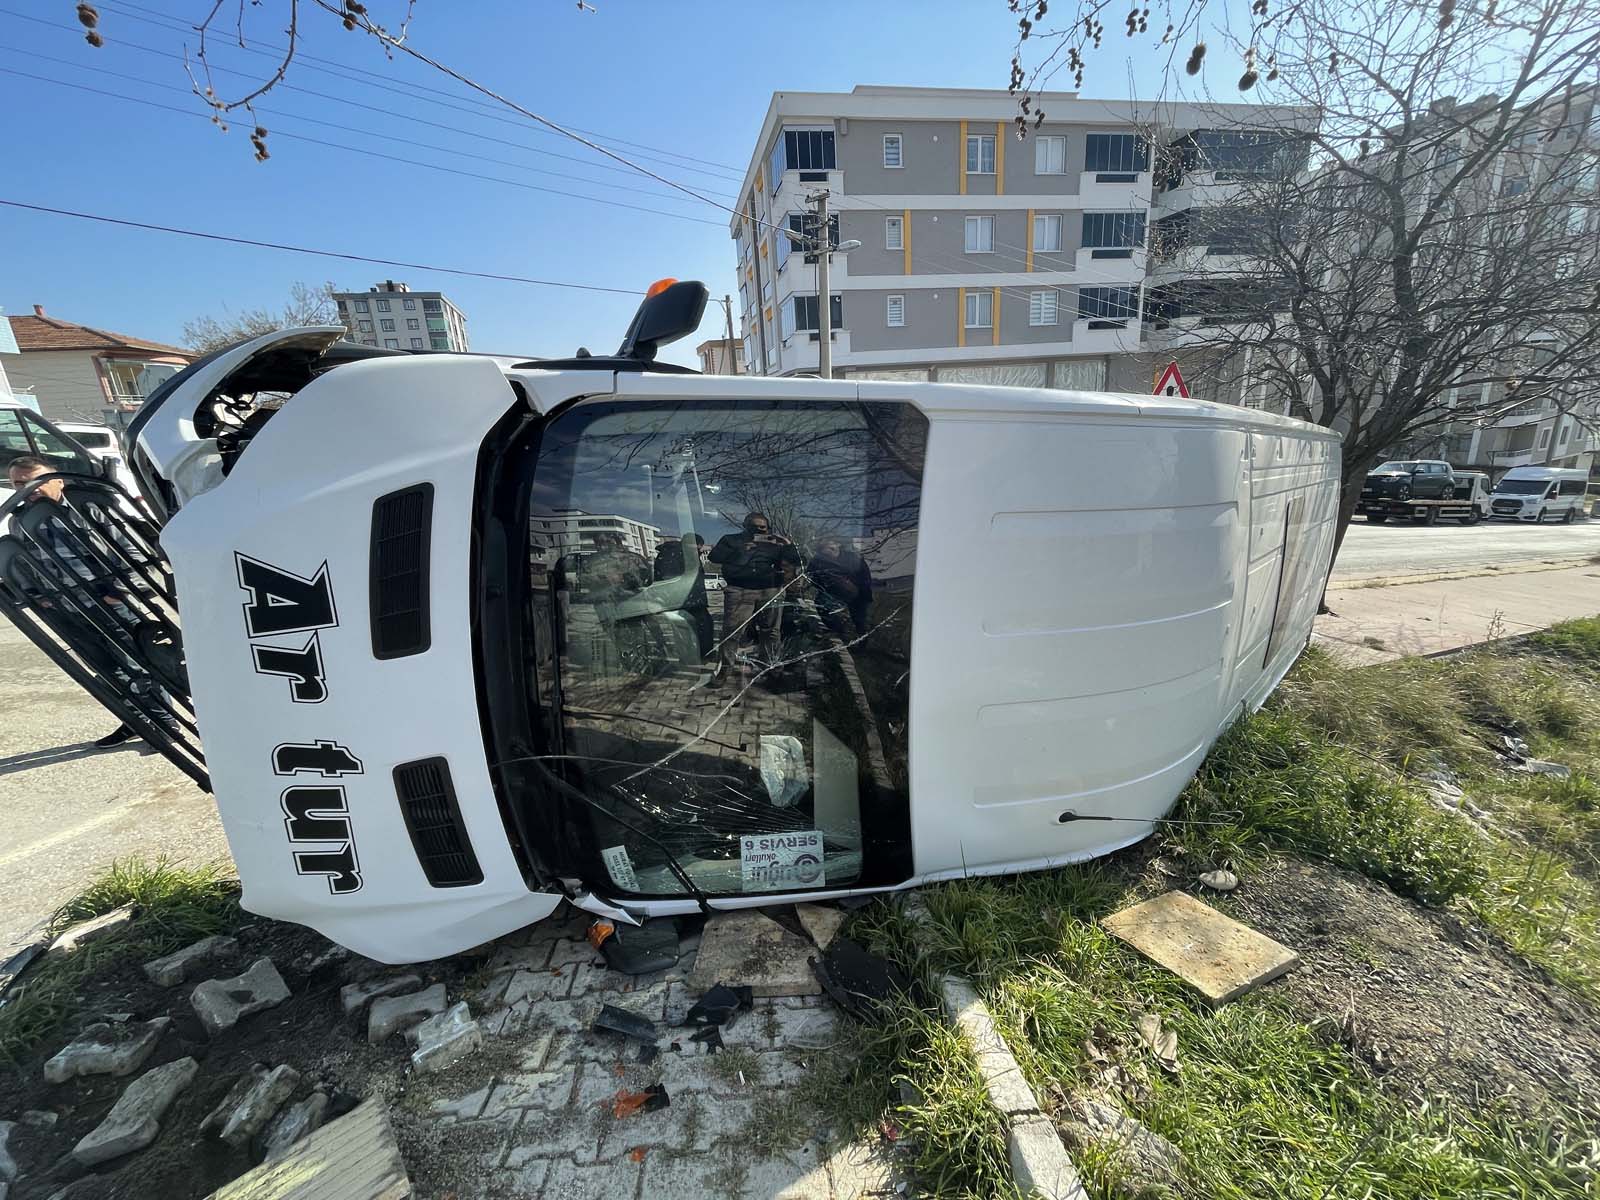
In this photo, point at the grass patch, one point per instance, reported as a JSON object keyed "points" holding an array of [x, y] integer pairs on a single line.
{"points": [[177, 905]]}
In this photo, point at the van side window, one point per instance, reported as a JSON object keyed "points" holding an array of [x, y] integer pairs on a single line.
{"points": [[1573, 487]]}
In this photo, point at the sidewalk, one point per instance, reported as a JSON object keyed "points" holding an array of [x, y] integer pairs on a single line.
{"points": [[1376, 624]]}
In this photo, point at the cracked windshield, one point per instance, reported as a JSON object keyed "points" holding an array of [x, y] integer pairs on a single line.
{"points": [[722, 611]]}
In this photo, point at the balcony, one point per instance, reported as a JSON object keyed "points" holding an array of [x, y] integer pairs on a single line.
{"points": [[1524, 414], [1514, 458]]}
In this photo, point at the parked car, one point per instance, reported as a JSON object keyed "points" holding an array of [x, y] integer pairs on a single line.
{"points": [[1410, 479], [101, 441], [23, 431], [1537, 493]]}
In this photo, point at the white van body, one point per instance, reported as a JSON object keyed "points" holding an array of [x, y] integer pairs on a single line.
{"points": [[101, 441], [1079, 594], [1539, 494]]}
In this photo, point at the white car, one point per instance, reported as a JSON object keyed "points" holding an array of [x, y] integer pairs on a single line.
{"points": [[426, 718], [101, 441]]}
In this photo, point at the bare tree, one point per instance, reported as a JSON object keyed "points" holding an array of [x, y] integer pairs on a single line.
{"points": [[307, 305], [1398, 262]]}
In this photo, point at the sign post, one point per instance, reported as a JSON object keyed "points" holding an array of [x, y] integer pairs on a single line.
{"points": [[1170, 383]]}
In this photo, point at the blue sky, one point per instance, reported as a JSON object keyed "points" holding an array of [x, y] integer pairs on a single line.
{"points": [[690, 82]]}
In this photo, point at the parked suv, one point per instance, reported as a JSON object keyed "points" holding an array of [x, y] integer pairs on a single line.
{"points": [[1410, 479], [1540, 493]]}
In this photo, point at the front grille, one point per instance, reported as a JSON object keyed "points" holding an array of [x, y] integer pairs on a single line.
{"points": [[433, 819], [401, 525], [1507, 506]]}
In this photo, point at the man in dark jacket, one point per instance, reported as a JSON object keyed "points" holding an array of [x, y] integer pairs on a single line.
{"points": [[670, 564], [844, 586], [756, 563]]}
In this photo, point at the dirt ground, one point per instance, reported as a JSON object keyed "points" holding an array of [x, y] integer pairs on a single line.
{"points": [[1426, 1000]]}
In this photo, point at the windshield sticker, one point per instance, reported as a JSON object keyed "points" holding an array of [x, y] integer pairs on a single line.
{"points": [[768, 862], [320, 815], [282, 602], [620, 867]]}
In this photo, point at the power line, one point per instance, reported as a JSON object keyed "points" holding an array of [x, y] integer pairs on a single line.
{"points": [[382, 262], [330, 66], [348, 149]]}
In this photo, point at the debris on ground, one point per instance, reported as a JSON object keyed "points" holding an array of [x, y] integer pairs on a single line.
{"points": [[394, 1014], [223, 1003], [641, 949], [1160, 1041], [720, 1005], [446, 1039], [104, 1049], [1540, 766], [165, 972], [626, 1102], [1220, 880], [251, 1103], [11, 970], [135, 1120], [1145, 1161], [599, 931], [1219, 957], [76, 937], [821, 922], [751, 947], [353, 997], [356, 1155], [294, 1123], [710, 1037], [857, 980], [630, 1025], [819, 1031]]}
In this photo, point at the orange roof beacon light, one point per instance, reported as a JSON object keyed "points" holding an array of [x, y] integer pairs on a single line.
{"points": [[659, 286]]}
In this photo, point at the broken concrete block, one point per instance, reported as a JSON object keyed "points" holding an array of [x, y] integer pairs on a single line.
{"points": [[135, 1119], [164, 972], [104, 1049], [353, 997], [1146, 1161], [218, 1116], [391, 1014], [222, 1003], [40, 1118], [747, 947], [259, 1104], [1214, 954], [294, 1123], [8, 1165], [445, 1039], [821, 922], [80, 935]]}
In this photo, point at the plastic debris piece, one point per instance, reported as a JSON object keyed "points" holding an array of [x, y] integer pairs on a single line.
{"points": [[638, 950], [783, 768], [1160, 1041], [648, 1054], [630, 1025], [718, 1006], [857, 980], [599, 931], [710, 1037], [1220, 881], [626, 1103], [637, 1154]]}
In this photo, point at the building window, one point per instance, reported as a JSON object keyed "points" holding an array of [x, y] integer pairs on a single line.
{"points": [[416, 344], [1042, 307], [1107, 303], [894, 233], [1121, 153], [1047, 233], [392, 343], [1544, 438], [896, 315], [413, 323], [801, 150], [891, 151], [342, 308], [1116, 231], [980, 309], [439, 343], [361, 306], [387, 325], [1050, 156], [980, 154], [782, 243], [383, 306], [980, 235], [411, 305], [369, 341], [1515, 185], [433, 307], [364, 326], [800, 314]]}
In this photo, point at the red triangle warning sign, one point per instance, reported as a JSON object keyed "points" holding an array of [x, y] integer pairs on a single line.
{"points": [[1170, 383]]}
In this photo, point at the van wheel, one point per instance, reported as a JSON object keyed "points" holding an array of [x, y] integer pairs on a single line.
{"points": [[1570, 516], [1539, 520], [1377, 518]]}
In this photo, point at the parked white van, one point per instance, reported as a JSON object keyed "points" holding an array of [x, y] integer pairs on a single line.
{"points": [[1537, 493]]}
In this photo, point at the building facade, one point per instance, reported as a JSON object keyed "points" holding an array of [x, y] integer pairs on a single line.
{"points": [[71, 372], [984, 258], [720, 356], [392, 316], [572, 531]]}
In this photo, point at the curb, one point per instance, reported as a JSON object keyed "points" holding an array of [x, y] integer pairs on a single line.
{"points": [[1040, 1164], [1523, 567]]}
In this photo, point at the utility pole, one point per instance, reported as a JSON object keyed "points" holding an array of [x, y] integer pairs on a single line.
{"points": [[727, 311], [822, 243]]}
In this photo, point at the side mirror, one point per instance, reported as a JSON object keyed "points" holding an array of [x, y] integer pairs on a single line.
{"points": [[667, 314]]}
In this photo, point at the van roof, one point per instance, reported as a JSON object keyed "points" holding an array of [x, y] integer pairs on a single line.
{"points": [[1542, 472]]}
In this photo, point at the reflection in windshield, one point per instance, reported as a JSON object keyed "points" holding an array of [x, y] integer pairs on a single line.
{"points": [[722, 626]]}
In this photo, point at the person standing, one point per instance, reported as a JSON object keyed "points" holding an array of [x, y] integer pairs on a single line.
{"points": [[844, 586], [756, 563]]}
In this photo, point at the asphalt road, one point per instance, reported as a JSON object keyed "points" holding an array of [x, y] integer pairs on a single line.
{"points": [[70, 808], [1379, 551]]}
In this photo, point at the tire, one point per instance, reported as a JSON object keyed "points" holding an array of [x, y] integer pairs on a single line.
{"points": [[1569, 516], [1473, 516], [1430, 516], [1377, 518], [1539, 520]]}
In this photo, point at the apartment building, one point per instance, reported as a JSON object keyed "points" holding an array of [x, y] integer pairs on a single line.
{"points": [[983, 257], [391, 315]]}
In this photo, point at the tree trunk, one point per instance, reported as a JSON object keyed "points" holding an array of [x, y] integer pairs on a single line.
{"points": [[1349, 493]]}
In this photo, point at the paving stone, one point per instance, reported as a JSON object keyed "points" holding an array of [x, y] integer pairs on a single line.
{"points": [[293, 1123], [135, 1120], [576, 952], [104, 1049], [532, 1089], [557, 1133], [259, 1104], [463, 1108], [732, 1171], [520, 958], [527, 1178], [164, 972], [568, 1180], [821, 922], [390, 1015], [1216, 955], [8, 1164], [76, 937], [223, 1003], [539, 984], [446, 1039], [857, 1171], [353, 997], [748, 947], [314, 960], [597, 978], [696, 1122]]}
